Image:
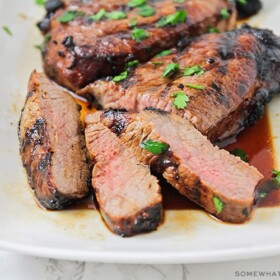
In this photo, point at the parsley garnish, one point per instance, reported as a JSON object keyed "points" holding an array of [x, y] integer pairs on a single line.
{"points": [[242, 2], [170, 69], [40, 2], [136, 3], [173, 19], [139, 34], [157, 62], [224, 13], [122, 76], [69, 16], [131, 63], [195, 86], [179, 1], [133, 22], [276, 176], [219, 205], [7, 30], [240, 153], [194, 70], [154, 147], [116, 15], [146, 11], [164, 53], [181, 100], [213, 30], [262, 194], [99, 15]]}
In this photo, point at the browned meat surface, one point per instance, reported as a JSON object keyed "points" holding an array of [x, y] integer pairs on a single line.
{"points": [[128, 195], [219, 182], [242, 72], [52, 144], [82, 50]]}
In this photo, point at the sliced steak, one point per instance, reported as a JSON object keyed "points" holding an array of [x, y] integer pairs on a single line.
{"points": [[52, 144], [128, 195], [221, 183], [82, 49], [242, 72]]}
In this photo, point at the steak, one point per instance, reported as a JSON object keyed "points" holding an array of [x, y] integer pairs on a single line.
{"points": [[52, 144], [221, 183], [239, 73], [81, 49], [128, 195]]}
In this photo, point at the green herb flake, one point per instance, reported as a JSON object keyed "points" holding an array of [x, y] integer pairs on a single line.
{"points": [[47, 37], [122, 76], [219, 205], [139, 34], [173, 19], [99, 15], [154, 147], [170, 69], [133, 22], [116, 15], [213, 30], [242, 2], [131, 63], [194, 70], [179, 1], [164, 53], [224, 13], [7, 30], [146, 11], [195, 86], [136, 3], [69, 16], [39, 47], [276, 176], [181, 100], [40, 2], [262, 194], [240, 153], [157, 63]]}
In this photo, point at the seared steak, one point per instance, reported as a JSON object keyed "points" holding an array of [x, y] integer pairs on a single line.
{"points": [[216, 180], [239, 73], [128, 195], [84, 48], [52, 144]]}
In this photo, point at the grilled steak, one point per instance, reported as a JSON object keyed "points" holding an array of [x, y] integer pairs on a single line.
{"points": [[128, 195], [52, 144], [83, 48], [239, 71], [216, 180]]}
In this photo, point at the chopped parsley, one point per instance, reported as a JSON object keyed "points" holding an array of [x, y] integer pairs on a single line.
{"points": [[154, 147], [136, 3], [240, 153], [179, 1], [195, 86], [164, 53], [133, 22], [276, 175], [181, 100], [170, 69], [262, 194], [173, 19], [99, 15], [219, 205], [146, 11], [242, 2], [116, 15], [194, 70], [131, 63], [213, 30], [40, 2], [7, 30], [69, 16], [122, 76], [224, 13], [139, 34], [157, 63]]}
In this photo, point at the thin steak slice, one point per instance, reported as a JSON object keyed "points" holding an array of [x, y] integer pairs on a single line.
{"points": [[82, 49], [52, 144], [216, 180], [242, 72], [128, 195]]}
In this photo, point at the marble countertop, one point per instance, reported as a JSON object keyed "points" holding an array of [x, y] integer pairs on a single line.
{"points": [[19, 267]]}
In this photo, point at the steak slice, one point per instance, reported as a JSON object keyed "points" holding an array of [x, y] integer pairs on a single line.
{"points": [[52, 144], [221, 183], [82, 49], [241, 75], [128, 195]]}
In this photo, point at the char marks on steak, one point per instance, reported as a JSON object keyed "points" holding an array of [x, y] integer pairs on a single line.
{"points": [[83, 50], [242, 72], [221, 183], [52, 144], [128, 195]]}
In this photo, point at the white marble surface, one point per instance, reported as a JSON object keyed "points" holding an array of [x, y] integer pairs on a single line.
{"points": [[19, 267]]}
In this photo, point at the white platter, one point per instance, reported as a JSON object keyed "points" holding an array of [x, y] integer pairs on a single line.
{"points": [[184, 237]]}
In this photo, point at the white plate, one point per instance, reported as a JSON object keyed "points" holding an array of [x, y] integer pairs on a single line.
{"points": [[185, 236]]}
